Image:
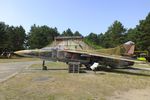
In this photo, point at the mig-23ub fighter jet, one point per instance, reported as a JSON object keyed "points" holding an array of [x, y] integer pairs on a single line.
{"points": [[73, 49]]}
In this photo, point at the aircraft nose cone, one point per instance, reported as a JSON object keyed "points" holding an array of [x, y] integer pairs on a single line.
{"points": [[22, 52]]}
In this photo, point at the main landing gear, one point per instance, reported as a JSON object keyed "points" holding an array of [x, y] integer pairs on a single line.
{"points": [[43, 65]]}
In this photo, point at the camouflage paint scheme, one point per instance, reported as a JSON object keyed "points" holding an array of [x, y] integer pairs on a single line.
{"points": [[73, 49]]}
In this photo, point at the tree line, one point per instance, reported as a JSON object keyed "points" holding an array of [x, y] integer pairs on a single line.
{"points": [[117, 34], [11, 38], [14, 38]]}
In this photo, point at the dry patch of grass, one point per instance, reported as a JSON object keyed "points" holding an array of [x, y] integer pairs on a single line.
{"points": [[19, 59], [57, 84]]}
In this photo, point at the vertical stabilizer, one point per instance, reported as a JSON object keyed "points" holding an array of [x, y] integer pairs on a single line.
{"points": [[129, 48]]}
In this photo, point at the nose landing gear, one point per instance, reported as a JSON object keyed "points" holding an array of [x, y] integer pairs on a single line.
{"points": [[43, 66]]}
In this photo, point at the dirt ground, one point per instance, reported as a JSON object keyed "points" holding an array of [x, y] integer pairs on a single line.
{"points": [[57, 84], [135, 94]]}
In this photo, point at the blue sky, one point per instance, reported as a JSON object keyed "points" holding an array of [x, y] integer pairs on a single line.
{"points": [[83, 15]]}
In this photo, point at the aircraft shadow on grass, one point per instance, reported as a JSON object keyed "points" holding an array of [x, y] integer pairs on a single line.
{"points": [[128, 71]]}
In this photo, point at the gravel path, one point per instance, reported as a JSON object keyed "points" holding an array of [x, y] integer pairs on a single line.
{"points": [[10, 69]]}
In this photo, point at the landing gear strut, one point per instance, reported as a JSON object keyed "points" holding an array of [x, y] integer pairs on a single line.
{"points": [[43, 65]]}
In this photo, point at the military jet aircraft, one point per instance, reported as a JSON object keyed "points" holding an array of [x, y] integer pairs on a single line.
{"points": [[120, 56]]}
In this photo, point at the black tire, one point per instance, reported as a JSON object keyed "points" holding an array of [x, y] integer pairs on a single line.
{"points": [[44, 68], [87, 66]]}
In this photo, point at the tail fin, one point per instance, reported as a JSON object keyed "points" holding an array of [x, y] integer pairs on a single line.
{"points": [[129, 48], [126, 49]]}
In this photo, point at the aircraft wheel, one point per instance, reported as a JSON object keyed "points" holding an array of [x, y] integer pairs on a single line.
{"points": [[88, 66], [44, 67]]}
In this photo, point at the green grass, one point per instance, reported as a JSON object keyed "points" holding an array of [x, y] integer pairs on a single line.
{"points": [[57, 84], [142, 65], [50, 65]]}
